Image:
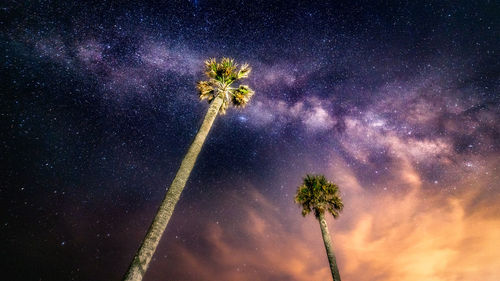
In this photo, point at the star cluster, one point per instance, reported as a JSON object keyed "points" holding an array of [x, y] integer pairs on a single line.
{"points": [[397, 102]]}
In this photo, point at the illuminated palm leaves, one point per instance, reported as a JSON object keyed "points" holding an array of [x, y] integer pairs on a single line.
{"points": [[207, 89], [221, 75], [244, 71], [318, 195], [242, 95]]}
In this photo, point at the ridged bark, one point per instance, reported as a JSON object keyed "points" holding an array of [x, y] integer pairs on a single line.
{"points": [[143, 256], [329, 248]]}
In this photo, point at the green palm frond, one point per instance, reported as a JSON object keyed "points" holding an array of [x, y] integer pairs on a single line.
{"points": [[211, 68], [225, 70], [206, 90], [242, 95], [244, 71], [227, 65], [318, 195]]}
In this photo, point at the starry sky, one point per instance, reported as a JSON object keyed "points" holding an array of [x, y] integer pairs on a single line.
{"points": [[395, 101]]}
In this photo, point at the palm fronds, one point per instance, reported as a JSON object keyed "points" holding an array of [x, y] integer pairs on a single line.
{"points": [[318, 195], [211, 68], [242, 95], [244, 71], [206, 90], [221, 75]]}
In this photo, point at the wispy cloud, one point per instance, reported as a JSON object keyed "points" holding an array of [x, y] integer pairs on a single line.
{"points": [[93, 57], [313, 113], [412, 235], [420, 235]]}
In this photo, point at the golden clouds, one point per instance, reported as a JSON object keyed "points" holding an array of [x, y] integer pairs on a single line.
{"points": [[260, 246], [418, 234]]}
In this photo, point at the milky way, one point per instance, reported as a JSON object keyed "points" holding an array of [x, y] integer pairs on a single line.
{"points": [[398, 103]]}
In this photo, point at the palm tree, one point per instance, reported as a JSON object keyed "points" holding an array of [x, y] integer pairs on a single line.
{"points": [[219, 93], [318, 195]]}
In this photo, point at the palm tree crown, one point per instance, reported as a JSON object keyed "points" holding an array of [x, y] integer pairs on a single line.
{"points": [[220, 77], [319, 195]]}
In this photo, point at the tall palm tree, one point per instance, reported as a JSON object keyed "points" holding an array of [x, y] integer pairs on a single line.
{"points": [[318, 195], [219, 93]]}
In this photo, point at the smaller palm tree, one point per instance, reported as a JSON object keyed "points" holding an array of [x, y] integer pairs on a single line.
{"points": [[318, 195]]}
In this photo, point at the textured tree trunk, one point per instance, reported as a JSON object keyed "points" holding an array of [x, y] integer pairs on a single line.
{"points": [[329, 248], [143, 256]]}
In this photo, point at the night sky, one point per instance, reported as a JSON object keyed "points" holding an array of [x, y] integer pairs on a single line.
{"points": [[396, 102]]}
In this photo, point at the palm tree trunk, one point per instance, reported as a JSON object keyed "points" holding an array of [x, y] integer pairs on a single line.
{"points": [[143, 256], [329, 248]]}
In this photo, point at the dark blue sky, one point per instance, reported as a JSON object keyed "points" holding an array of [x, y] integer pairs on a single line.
{"points": [[397, 102]]}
